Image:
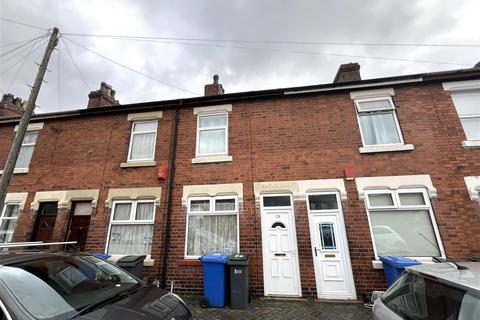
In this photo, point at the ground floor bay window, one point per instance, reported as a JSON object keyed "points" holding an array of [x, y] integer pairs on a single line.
{"points": [[131, 228], [212, 226], [402, 223]]}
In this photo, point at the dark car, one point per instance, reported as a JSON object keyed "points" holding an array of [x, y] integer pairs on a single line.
{"points": [[57, 286]]}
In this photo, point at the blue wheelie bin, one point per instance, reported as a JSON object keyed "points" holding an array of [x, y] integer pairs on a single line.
{"points": [[394, 266], [214, 279]]}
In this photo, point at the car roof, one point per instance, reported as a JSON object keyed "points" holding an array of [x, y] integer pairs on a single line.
{"points": [[23, 256], [447, 272]]}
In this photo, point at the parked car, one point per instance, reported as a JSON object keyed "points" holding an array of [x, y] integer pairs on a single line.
{"points": [[57, 286], [439, 291]]}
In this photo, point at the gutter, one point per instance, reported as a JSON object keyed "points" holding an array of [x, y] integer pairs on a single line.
{"points": [[171, 178]]}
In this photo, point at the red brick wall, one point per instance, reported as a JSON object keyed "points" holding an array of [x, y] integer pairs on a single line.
{"points": [[293, 138]]}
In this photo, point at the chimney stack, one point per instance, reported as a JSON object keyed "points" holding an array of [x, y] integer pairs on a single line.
{"points": [[11, 106], [348, 72], [215, 88], [103, 97]]}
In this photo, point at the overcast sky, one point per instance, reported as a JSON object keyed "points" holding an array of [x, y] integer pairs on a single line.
{"points": [[241, 66]]}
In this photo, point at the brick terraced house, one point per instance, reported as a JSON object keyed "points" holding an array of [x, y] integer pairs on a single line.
{"points": [[314, 182]]}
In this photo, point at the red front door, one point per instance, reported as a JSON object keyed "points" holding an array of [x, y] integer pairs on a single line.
{"points": [[79, 230], [47, 215]]}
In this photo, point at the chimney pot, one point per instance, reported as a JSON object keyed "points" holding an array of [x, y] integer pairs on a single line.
{"points": [[215, 88], [348, 72]]}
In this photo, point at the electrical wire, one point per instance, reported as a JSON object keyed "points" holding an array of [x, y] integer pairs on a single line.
{"points": [[75, 65], [147, 38], [3, 61], [21, 46], [129, 68], [26, 56], [21, 66], [296, 51], [14, 43], [22, 24]]}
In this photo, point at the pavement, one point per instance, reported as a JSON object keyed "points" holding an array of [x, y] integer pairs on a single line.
{"points": [[281, 309]]}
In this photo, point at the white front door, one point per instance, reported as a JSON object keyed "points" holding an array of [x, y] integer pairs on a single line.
{"points": [[333, 271], [280, 256]]}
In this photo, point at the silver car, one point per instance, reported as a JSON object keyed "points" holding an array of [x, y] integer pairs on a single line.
{"points": [[439, 291]]}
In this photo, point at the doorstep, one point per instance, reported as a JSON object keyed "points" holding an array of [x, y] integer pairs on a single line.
{"points": [[338, 301]]}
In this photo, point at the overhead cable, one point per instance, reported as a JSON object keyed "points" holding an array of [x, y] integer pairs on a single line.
{"points": [[129, 68]]}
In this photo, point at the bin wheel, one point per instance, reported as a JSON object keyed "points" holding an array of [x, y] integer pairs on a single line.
{"points": [[203, 302]]}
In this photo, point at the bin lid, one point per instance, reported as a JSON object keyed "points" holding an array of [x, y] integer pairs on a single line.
{"points": [[215, 258], [239, 259], [397, 261], [131, 259]]}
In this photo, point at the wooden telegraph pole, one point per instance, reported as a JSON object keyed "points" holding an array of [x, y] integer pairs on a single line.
{"points": [[27, 114]]}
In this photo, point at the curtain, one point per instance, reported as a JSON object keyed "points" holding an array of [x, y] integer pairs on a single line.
{"points": [[224, 204], [411, 199], [122, 211], [397, 233], [143, 145], [200, 205], [24, 157], [144, 211], [211, 234], [380, 200], [213, 121], [471, 126], [130, 239], [212, 141], [379, 128]]}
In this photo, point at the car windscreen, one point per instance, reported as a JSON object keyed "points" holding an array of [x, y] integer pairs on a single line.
{"points": [[417, 297], [56, 285]]}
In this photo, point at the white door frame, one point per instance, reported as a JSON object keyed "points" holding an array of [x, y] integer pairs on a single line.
{"points": [[345, 254], [296, 265]]}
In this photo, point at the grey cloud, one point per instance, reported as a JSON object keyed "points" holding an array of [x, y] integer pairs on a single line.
{"points": [[191, 66]]}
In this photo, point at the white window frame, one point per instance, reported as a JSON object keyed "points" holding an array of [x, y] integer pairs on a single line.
{"points": [[28, 145], [397, 207], [211, 212], [130, 221], [2, 214], [225, 127], [129, 159], [392, 109], [477, 116]]}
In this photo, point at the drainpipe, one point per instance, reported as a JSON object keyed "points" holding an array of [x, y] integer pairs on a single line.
{"points": [[171, 178]]}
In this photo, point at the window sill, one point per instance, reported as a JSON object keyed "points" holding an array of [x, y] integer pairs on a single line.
{"points": [[378, 264], [138, 164], [471, 144], [211, 159], [386, 148], [17, 170], [189, 262], [146, 262]]}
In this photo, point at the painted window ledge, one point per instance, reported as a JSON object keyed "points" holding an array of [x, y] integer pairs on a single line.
{"points": [[17, 170], [471, 144], [146, 262], [211, 159], [378, 264], [138, 164], [386, 148]]}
